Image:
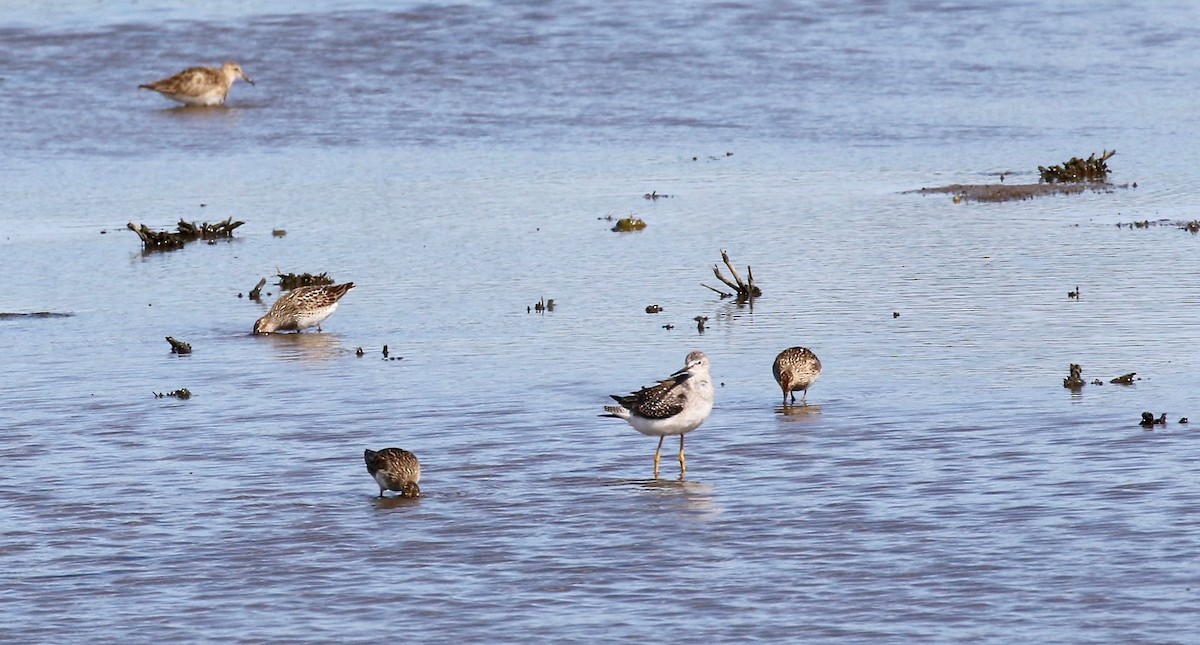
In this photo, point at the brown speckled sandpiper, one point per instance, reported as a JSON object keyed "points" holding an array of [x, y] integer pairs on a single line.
{"points": [[301, 308], [796, 368], [394, 469], [200, 85]]}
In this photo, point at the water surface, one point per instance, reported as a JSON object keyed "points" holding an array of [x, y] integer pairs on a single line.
{"points": [[459, 162]]}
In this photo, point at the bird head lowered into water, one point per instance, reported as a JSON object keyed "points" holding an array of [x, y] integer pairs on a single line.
{"points": [[301, 308], [394, 469], [796, 368]]}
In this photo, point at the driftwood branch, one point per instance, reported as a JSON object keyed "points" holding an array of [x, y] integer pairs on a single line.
{"points": [[745, 290], [178, 346], [732, 269], [256, 292], [719, 292], [717, 272]]}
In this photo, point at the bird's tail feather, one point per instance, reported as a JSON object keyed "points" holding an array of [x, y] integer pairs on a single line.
{"points": [[616, 411]]}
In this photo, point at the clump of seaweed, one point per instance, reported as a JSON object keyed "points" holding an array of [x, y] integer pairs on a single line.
{"points": [[182, 394], [291, 280], [1092, 169], [185, 232], [627, 224]]}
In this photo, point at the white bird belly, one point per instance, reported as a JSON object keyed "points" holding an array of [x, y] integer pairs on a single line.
{"points": [[314, 318], [689, 419]]}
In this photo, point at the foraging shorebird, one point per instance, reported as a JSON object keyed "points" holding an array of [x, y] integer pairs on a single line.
{"points": [[796, 368], [675, 406], [302, 307], [394, 469], [200, 85]]}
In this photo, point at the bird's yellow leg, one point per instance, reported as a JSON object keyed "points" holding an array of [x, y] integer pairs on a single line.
{"points": [[682, 462], [656, 455]]}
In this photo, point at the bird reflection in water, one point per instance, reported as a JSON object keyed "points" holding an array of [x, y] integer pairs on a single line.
{"points": [[310, 348], [808, 412]]}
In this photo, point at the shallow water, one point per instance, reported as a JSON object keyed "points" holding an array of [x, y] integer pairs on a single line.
{"points": [[458, 163]]}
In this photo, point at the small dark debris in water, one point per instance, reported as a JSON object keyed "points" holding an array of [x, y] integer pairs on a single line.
{"points": [[178, 346], [1192, 226], [278, 232], [358, 352], [185, 232], [203, 205], [1074, 295], [240, 294], [385, 351], [1125, 379], [1097, 381], [895, 314], [396, 358], [1078, 170], [6, 315], [1075, 380], [628, 224], [700, 320], [668, 326], [291, 280], [103, 232], [256, 292], [182, 393], [653, 309], [655, 195], [1148, 420], [542, 306]]}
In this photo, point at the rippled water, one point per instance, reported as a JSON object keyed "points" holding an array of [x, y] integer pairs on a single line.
{"points": [[458, 163]]}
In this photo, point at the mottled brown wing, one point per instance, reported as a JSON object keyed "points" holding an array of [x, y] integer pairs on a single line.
{"points": [[321, 296], [657, 401], [192, 80]]}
